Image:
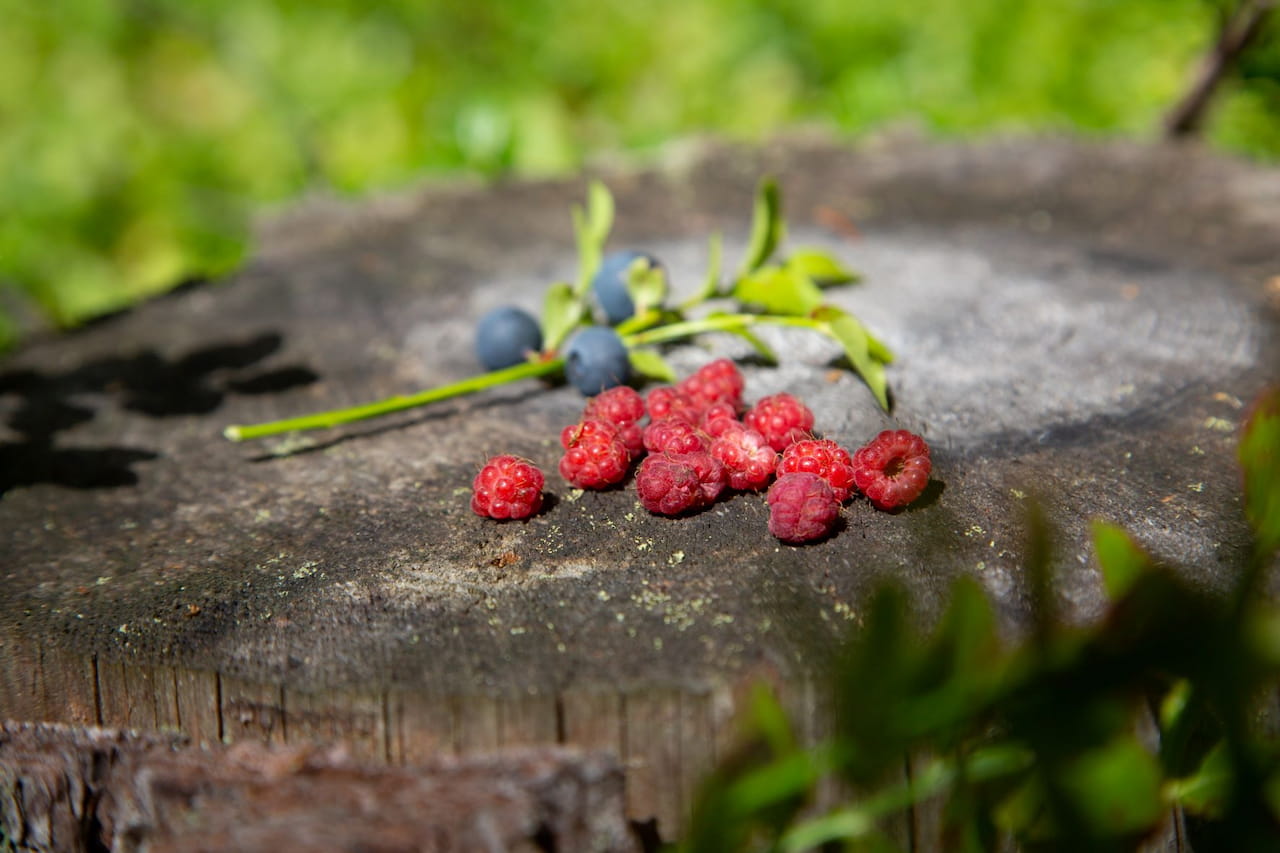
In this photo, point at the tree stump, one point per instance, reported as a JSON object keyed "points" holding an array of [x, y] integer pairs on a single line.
{"points": [[1077, 323]]}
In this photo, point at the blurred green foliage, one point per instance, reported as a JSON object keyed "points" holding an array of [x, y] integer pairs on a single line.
{"points": [[137, 136], [1074, 738]]}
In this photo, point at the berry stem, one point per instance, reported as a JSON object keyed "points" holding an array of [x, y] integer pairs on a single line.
{"points": [[717, 323], [336, 417]]}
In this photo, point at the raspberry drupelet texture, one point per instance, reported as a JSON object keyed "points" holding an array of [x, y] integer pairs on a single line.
{"points": [[668, 486], [507, 487], [892, 469], [802, 508], [623, 407], [710, 471], [595, 457], [674, 435], [666, 401], [823, 457], [748, 459], [717, 382], [781, 419], [719, 418]]}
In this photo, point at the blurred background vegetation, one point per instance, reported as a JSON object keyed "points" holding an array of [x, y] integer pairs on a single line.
{"points": [[138, 137]]}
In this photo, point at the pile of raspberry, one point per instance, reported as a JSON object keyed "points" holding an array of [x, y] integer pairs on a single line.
{"points": [[695, 441]]}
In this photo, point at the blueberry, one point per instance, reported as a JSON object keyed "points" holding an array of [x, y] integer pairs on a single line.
{"points": [[505, 336], [610, 284], [596, 360]]}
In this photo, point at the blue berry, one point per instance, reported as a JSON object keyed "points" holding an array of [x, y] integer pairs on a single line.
{"points": [[596, 360], [505, 336], [610, 284]]}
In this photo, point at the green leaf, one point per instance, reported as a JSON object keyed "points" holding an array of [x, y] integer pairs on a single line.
{"points": [[591, 228], [646, 284], [778, 290], [1122, 562], [767, 227], [1259, 454], [711, 283], [1205, 792], [762, 349], [1116, 788], [562, 311], [855, 340], [821, 266], [649, 364]]}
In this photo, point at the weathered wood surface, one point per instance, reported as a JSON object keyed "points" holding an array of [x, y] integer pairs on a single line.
{"points": [[67, 789], [1075, 321]]}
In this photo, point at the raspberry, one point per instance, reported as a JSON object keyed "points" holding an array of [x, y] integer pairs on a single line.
{"points": [[719, 418], [781, 419], [893, 468], [823, 457], [507, 487], [671, 484], [710, 471], [674, 435], [666, 401], [748, 459], [623, 407], [802, 508], [594, 455], [717, 382]]}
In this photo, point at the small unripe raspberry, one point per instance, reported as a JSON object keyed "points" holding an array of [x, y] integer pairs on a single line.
{"points": [[507, 487], [594, 457], [823, 457], [748, 459], [666, 402], [668, 486], [674, 435], [781, 419], [892, 469], [717, 382], [802, 508]]}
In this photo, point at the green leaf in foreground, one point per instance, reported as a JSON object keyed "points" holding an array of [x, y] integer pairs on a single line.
{"points": [[821, 266], [767, 227], [647, 363], [857, 345], [562, 311], [1121, 561], [778, 290], [1259, 453]]}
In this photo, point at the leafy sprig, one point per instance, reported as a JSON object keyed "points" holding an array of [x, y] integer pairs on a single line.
{"points": [[765, 291]]}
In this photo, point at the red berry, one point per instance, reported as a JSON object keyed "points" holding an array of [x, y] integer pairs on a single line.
{"points": [[748, 459], [674, 435], [623, 407], [781, 419], [717, 382], [594, 456], [668, 486], [619, 406], [823, 457], [665, 402], [507, 487], [893, 468], [802, 508], [710, 471], [718, 418]]}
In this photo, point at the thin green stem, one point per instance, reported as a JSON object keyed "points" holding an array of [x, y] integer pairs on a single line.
{"points": [[336, 417], [717, 323]]}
